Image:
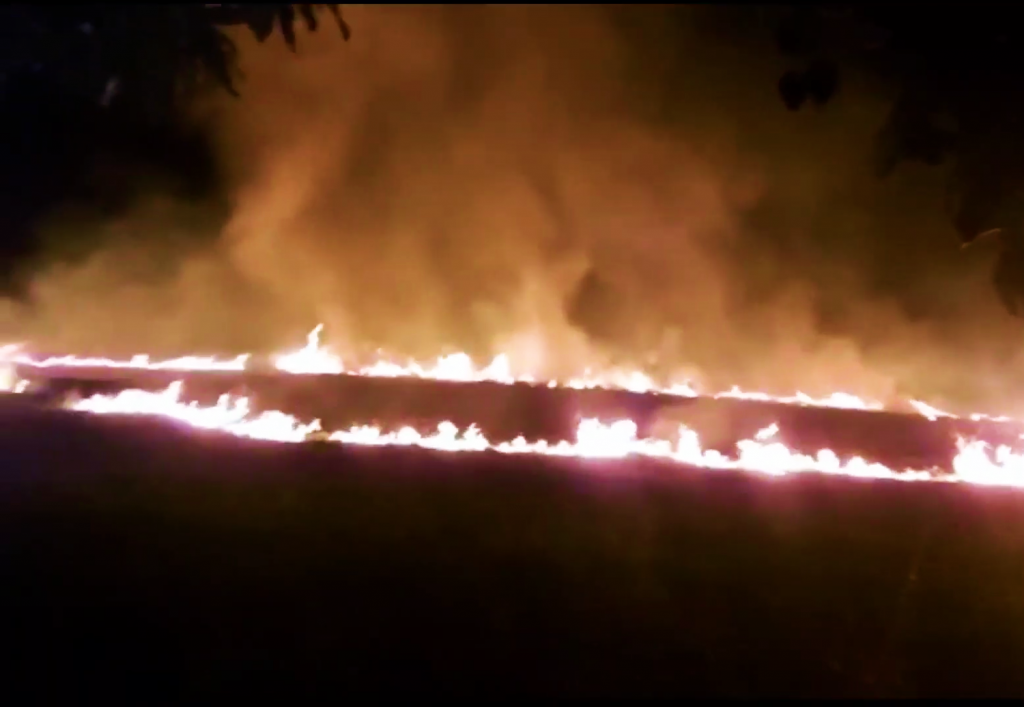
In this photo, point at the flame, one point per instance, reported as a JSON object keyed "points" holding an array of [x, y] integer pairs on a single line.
{"points": [[310, 358], [314, 358], [10, 382], [8, 378], [10, 354], [975, 462]]}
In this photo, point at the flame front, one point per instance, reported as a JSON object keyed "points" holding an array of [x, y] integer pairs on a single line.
{"points": [[10, 354], [314, 358], [975, 462]]}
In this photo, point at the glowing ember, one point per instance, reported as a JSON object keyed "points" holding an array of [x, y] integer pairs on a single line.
{"points": [[973, 464]]}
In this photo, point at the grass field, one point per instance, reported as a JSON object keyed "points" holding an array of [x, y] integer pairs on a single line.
{"points": [[136, 557]]}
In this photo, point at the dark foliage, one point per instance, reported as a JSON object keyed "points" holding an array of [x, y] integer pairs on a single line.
{"points": [[89, 96], [957, 76], [150, 51]]}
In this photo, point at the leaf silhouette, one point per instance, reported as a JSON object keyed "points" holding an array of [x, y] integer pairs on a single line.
{"points": [[286, 17], [308, 13], [335, 10], [822, 81], [261, 22], [793, 90]]}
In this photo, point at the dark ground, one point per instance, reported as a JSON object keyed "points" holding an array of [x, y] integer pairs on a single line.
{"points": [[136, 558], [535, 412]]}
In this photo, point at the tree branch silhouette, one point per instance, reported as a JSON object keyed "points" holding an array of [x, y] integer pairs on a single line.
{"points": [[957, 78], [90, 97], [155, 52]]}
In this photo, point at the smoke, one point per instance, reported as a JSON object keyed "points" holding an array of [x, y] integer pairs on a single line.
{"points": [[574, 186]]}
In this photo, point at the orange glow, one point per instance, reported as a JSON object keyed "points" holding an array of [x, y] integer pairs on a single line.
{"points": [[975, 462], [315, 358]]}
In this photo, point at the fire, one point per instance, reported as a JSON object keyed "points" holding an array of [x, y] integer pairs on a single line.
{"points": [[310, 358], [975, 462], [314, 358], [10, 354], [8, 378]]}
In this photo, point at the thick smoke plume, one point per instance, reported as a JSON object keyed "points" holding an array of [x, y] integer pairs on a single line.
{"points": [[573, 186]]}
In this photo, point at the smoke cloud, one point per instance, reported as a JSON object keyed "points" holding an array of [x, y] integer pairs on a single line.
{"points": [[574, 186]]}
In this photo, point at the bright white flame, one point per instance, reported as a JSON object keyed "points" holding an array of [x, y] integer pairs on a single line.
{"points": [[594, 440], [310, 358], [315, 358], [8, 378], [137, 362]]}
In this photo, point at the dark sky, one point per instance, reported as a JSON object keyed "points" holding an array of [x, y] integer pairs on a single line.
{"points": [[571, 185]]}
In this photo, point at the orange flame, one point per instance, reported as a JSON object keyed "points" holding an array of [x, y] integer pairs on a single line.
{"points": [[975, 462], [314, 358]]}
